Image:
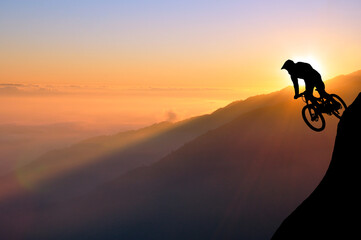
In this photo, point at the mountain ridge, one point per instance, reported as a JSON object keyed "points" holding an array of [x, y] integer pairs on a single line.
{"points": [[238, 180], [115, 157]]}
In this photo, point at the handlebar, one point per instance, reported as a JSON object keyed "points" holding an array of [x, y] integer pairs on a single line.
{"points": [[305, 99], [302, 95]]}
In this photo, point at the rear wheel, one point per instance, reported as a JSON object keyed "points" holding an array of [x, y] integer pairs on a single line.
{"points": [[338, 105], [313, 118]]}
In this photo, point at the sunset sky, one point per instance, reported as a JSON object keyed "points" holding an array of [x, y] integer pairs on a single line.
{"points": [[214, 50]]}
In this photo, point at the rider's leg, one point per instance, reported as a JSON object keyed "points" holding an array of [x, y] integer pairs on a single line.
{"points": [[330, 102], [309, 96], [309, 93], [321, 90], [320, 87]]}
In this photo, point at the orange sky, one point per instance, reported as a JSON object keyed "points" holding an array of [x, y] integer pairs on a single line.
{"points": [[234, 45]]}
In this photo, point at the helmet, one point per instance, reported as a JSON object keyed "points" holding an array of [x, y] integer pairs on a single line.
{"points": [[288, 64]]}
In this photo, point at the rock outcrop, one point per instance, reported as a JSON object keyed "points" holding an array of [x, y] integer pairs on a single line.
{"points": [[332, 211]]}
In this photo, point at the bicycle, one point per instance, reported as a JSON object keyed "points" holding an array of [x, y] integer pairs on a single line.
{"points": [[312, 112]]}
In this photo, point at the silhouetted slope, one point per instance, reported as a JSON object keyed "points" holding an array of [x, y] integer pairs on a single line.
{"points": [[72, 171], [237, 181], [332, 211], [81, 167]]}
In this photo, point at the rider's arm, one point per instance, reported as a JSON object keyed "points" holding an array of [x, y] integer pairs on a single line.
{"points": [[295, 85]]}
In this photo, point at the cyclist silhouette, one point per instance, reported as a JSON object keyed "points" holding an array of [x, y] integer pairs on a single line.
{"points": [[311, 77], [326, 103]]}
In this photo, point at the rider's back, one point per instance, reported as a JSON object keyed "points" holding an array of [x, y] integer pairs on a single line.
{"points": [[306, 72]]}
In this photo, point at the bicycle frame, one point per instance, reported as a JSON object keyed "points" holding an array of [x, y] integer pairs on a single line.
{"points": [[312, 113], [318, 103]]}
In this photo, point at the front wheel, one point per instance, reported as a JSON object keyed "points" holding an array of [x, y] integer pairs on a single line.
{"points": [[338, 105], [313, 118]]}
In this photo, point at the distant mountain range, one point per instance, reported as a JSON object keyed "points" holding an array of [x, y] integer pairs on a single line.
{"points": [[233, 174], [20, 144], [97, 160]]}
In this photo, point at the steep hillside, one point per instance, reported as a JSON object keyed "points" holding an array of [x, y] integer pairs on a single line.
{"points": [[332, 210], [239, 180], [83, 166], [159, 140]]}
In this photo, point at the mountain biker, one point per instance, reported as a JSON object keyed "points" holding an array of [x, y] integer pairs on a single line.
{"points": [[311, 77]]}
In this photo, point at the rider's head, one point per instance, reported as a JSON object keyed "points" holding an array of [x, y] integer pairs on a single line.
{"points": [[288, 65]]}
